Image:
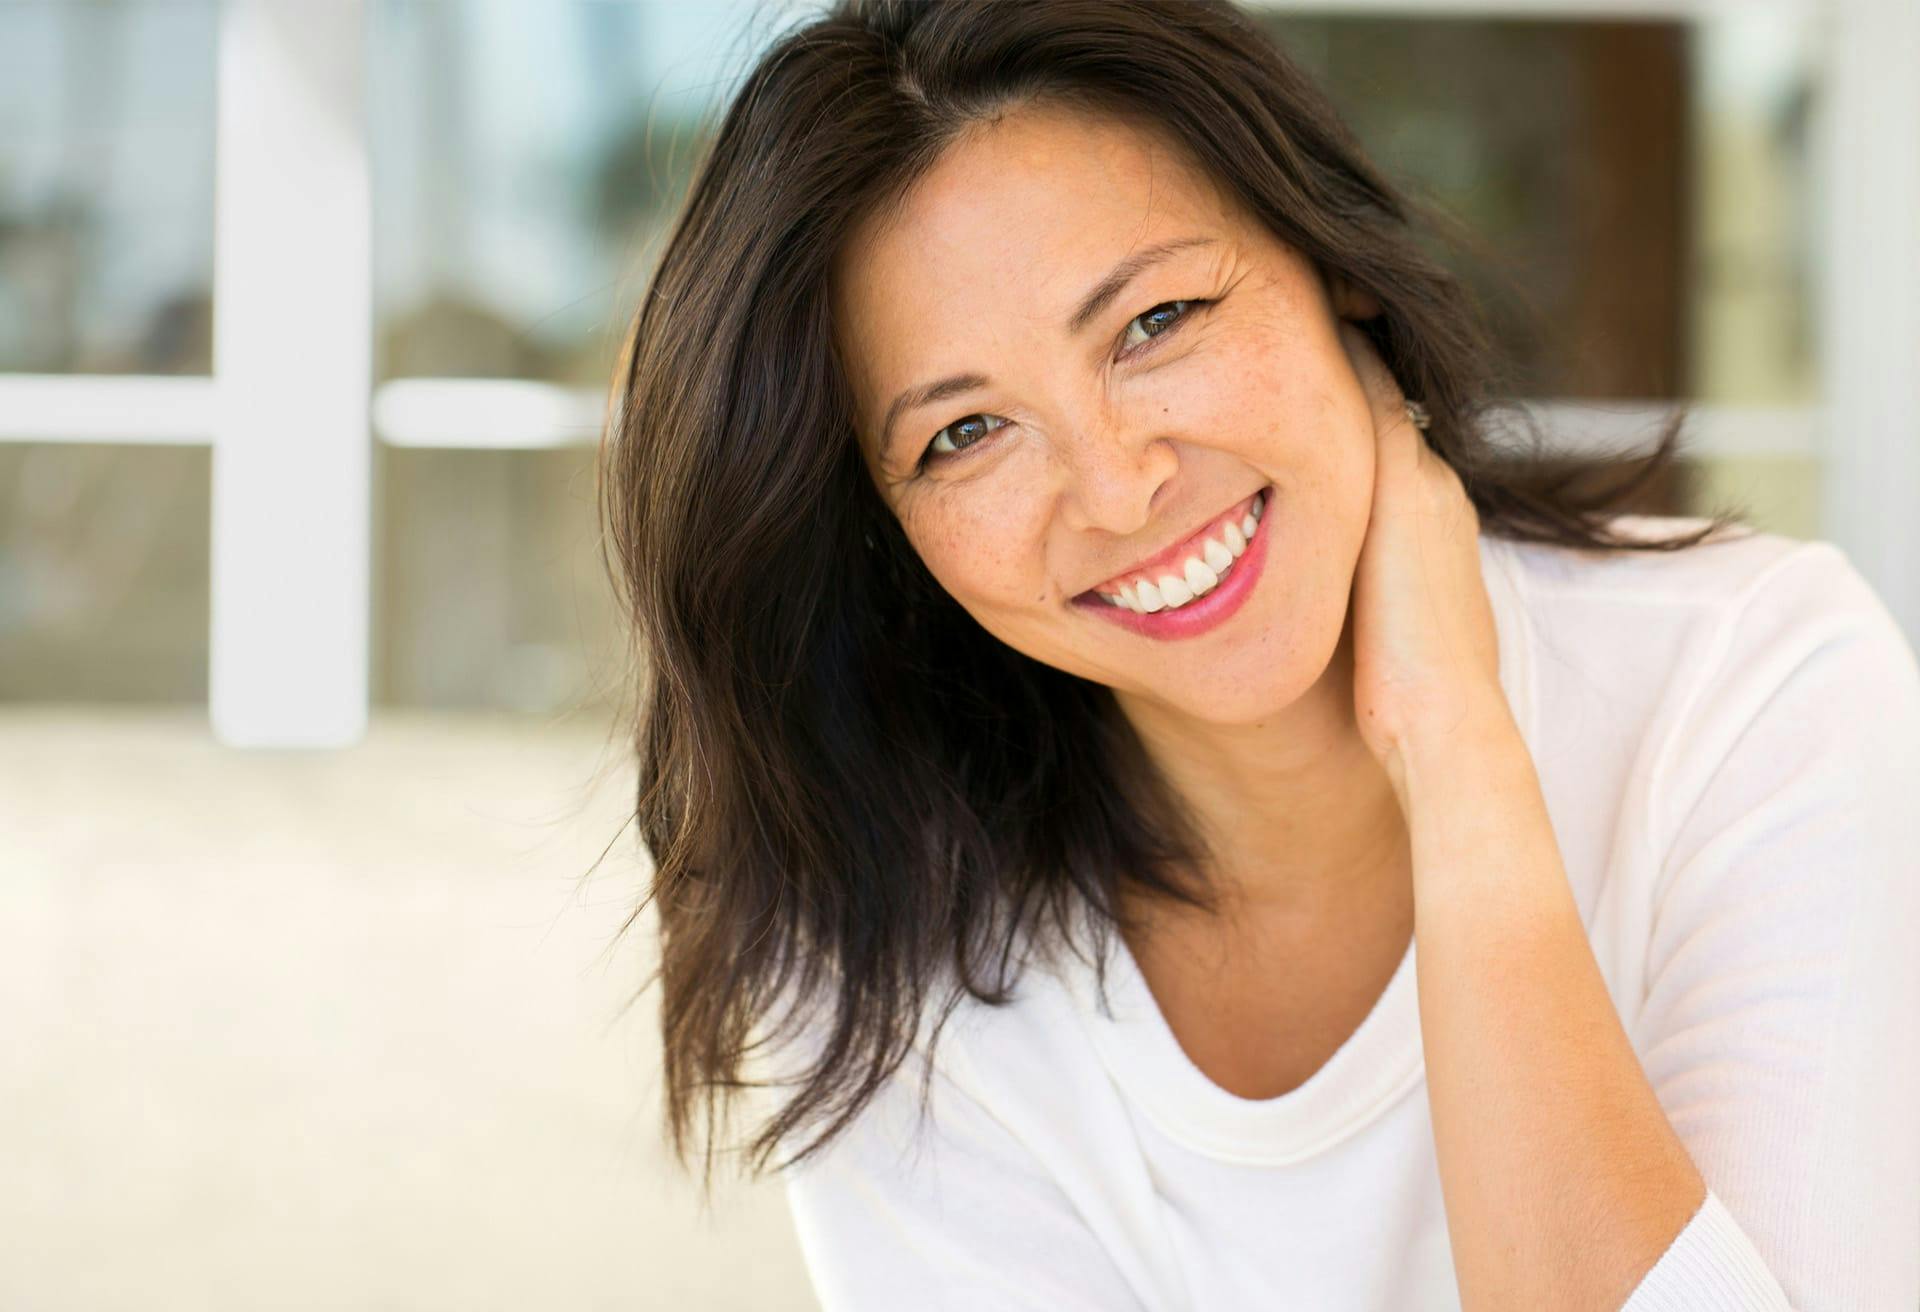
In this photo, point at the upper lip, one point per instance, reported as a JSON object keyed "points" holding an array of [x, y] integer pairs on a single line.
{"points": [[1173, 553]]}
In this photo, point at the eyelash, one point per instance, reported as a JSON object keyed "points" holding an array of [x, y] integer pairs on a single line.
{"points": [[929, 456]]}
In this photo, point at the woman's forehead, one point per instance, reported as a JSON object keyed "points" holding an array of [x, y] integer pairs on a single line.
{"points": [[1026, 194], [1009, 229]]}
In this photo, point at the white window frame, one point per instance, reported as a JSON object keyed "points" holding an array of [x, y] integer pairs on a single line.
{"points": [[292, 431]]}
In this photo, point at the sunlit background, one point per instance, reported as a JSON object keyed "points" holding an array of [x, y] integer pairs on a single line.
{"points": [[310, 673]]}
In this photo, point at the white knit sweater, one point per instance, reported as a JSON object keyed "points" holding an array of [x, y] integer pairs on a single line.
{"points": [[1728, 739]]}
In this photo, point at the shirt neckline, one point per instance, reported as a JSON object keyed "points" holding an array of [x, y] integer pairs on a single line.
{"points": [[1380, 1062]]}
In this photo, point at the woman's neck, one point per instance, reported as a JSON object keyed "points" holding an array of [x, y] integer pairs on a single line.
{"points": [[1303, 819]]}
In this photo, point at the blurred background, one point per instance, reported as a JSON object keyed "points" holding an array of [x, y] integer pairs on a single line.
{"points": [[313, 871]]}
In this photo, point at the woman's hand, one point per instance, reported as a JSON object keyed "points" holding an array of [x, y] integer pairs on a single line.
{"points": [[1426, 656]]}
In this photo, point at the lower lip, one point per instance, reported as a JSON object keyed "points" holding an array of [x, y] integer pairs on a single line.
{"points": [[1208, 612]]}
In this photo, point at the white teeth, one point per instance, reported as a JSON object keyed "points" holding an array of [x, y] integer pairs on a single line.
{"points": [[1173, 590], [1201, 579], [1250, 521], [1199, 575]]}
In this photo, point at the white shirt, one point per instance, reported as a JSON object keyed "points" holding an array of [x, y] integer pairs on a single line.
{"points": [[1728, 739]]}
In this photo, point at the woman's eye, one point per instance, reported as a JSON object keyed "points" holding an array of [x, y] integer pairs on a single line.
{"points": [[1155, 322], [969, 429], [965, 431]]}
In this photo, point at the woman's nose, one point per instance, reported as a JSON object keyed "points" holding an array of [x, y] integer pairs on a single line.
{"points": [[1115, 484]]}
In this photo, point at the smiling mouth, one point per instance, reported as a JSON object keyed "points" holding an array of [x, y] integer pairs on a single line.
{"points": [[1190, 568]]}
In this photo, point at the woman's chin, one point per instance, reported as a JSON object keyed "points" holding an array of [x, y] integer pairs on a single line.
{"points": [[1254, 699]]}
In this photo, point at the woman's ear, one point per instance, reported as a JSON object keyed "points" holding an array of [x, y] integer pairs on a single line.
{"points": [[1351, 302]]}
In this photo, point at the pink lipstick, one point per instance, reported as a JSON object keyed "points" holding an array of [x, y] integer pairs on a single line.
{"points": [[1204, 612]]}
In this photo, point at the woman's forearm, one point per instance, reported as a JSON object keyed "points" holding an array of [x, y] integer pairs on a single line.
{"points": [[1563, 1180]]}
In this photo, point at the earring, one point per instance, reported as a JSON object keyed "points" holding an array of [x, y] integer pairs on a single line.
{"points": [[1417, 415]]}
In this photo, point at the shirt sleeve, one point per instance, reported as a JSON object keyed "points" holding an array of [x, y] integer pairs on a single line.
{"points": [[952, 1214], [1783, 972]]}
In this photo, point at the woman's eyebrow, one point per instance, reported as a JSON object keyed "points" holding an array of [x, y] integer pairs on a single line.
{"points": [[1125, 272], [1096, 300]]}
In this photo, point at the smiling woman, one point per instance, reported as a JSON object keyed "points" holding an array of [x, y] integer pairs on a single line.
{"points": [[1151, 359], [1049, 485]]}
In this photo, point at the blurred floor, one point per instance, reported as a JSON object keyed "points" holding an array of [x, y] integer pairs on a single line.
{"points": [[340, 1030]]}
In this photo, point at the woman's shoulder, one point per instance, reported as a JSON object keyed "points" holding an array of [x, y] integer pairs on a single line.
{"points": [[1723, 567], [1737, 590], [1665, 653], [951, 1024], [1761, 582], [1697, 650], [1015, 1070]]}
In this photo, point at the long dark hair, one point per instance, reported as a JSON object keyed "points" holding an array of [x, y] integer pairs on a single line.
{"points": [[852, 794]]}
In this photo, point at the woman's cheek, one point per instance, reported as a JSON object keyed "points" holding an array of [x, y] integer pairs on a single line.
{"points": [[978, 545]]}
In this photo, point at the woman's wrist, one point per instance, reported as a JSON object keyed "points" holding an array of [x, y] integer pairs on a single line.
{"points": [[1457, 751]]}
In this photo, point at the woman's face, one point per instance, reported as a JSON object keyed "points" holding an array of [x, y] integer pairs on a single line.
{"points": [[1092, 443]]}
